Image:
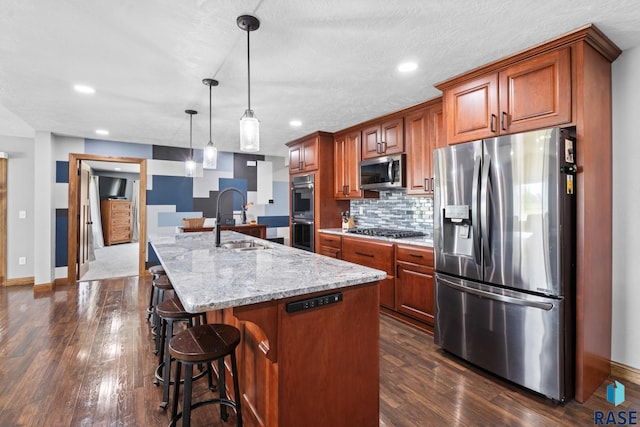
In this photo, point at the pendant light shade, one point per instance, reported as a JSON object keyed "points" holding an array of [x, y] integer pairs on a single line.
{"points": [[190, 164], [210, 160], [249, 123]]}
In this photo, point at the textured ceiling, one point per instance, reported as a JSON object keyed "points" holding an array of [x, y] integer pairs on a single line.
{"points": [[330, 64]]}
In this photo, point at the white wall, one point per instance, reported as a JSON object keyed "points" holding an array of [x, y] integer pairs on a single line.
{"points": [[20, 182], [626, 209]]}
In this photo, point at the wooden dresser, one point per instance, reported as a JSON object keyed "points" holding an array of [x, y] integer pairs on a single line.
{"points": [[116, 221]]}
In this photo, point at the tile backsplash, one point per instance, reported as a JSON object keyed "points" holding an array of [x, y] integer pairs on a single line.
{"points": [[394, 209]]}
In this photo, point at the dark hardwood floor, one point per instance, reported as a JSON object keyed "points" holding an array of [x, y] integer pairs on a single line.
{"points": [[81, 356]]}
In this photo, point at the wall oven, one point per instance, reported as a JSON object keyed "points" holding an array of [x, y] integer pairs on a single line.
{"points": [[302, 217], [302, 197], [302, 234]]}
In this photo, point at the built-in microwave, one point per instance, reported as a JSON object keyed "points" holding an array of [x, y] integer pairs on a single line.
{"points": [[383, 172]]}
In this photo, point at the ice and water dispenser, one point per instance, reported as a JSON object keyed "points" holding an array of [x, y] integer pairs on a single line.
{"points": [[457, 230]]}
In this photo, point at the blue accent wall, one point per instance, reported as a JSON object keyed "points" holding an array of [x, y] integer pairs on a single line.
{"points": [[173, 194], [172, 190], [62, 171], [240, 184], [62, 228], [274, 221]]}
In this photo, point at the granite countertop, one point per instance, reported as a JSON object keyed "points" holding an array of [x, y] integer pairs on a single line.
{"points": [[209, 278], [418, 241]]}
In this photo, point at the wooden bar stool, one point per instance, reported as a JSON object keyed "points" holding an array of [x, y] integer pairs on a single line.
{"points": [[169, 312], [160, 285], [156, 271], [205, 344]]}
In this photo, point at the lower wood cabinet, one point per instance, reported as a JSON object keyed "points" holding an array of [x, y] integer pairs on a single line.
{"points": [[313, 367], [414, 287], [374, 254], [407, 293], [329, 245]]}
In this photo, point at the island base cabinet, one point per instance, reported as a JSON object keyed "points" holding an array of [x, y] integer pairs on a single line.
{"points": [[312, 367]]}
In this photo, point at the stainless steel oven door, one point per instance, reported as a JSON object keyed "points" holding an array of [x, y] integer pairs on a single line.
{"points": [[302, 235], [302, 197]]}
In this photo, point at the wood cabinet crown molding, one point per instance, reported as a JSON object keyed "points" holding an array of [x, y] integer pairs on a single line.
{"points": [[588, 33]]}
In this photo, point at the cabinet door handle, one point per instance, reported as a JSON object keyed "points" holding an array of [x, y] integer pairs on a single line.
{"points": [[397, 271], [426, 184], [503, 123], [299, 165], [383, 147], [416, 255], [432, 188], [493, 125], [364, 254], [347, 190]]}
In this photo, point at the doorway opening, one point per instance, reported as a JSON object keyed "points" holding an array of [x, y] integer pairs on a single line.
{"points": [[128, 238]]}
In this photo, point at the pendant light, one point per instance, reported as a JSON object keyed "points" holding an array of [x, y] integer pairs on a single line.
{"points": [[190, 164], [249, 124], [210, 160]]}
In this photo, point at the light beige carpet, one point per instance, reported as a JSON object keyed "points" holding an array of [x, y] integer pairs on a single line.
{"points": [[114, 261]]}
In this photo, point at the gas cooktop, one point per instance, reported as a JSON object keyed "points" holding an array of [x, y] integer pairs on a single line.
{"points": [[386, 232]]}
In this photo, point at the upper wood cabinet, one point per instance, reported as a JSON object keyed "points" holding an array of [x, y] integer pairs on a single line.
{"points": [[382, 139], [531, 94], [346, 152], [303, 156], [424, 132]]}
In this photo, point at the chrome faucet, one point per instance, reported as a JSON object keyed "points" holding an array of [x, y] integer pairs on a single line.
{"points": [[219, 215]]}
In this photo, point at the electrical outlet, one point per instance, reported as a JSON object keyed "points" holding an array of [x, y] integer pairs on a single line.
{"points": [[22, 260], [22, 214]]}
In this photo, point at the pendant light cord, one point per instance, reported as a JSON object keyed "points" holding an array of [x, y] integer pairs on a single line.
{"points": [[210, 112], [248, 71], [190, 136]]}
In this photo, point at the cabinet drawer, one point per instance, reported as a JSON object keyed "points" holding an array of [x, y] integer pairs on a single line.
{"points": [[378, 255], [329, 251], [120, 206], [121, 220], [330, 240], [120, 230], [415, 254]]}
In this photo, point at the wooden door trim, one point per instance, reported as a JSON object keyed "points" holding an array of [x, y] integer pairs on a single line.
{"points": [[3, 221], [72, 231]]}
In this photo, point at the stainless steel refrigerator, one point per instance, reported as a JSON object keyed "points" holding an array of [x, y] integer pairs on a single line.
{"points": [[504, 243]]}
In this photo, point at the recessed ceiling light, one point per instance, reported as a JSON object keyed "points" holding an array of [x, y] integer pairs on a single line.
{"points": [[102, 132], [295, 123], [406, 67], [84, 89]]}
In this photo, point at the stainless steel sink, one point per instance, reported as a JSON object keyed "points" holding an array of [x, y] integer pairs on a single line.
{"points": [[243, 245]]}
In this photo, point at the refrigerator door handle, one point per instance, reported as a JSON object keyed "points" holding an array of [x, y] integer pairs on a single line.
{"points": [[497, 297], [484, 208], [475, 216]]}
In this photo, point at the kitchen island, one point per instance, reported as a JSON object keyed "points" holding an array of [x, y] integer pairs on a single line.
{"points": [[309, 353]]}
